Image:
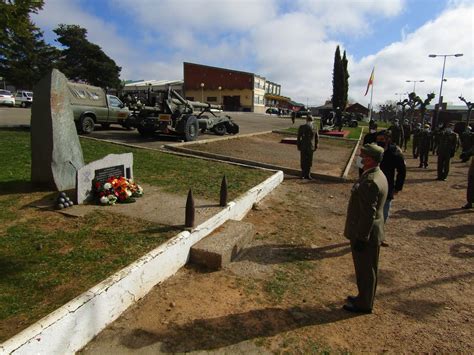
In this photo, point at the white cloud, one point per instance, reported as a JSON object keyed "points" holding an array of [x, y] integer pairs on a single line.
{"points": [[289, 42], [450, 33]]}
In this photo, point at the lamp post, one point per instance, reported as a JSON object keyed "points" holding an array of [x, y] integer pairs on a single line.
{"points": [[440, 102], [220, 95], [414, 83], [202, 92]]}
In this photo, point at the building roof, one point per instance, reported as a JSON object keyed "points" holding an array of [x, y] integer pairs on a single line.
{"points": [[146, 83]]}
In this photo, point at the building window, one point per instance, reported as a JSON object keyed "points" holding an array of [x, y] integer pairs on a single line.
{"points": [[211, 99]]}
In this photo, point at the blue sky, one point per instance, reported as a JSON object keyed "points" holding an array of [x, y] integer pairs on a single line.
{"points": [[290, 42]]}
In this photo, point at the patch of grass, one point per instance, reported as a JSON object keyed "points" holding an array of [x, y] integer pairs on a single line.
{"points": [[277, 286], [46, 258], [44, 267]]}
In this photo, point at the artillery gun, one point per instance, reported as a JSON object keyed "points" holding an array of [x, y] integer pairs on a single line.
{"points": [[172, 114]]}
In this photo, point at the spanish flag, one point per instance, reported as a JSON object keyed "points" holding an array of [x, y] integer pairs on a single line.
{"points": [[371, 81]]}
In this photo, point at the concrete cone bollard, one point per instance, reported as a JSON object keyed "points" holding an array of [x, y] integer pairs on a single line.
{"points": [[223, 197], [190, 210]]}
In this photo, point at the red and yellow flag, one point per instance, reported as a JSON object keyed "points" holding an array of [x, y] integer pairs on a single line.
{"points": [[371, 81]]}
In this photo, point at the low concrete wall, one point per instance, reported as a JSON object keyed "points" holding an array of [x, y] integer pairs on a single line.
{"points": [[72, 326]]}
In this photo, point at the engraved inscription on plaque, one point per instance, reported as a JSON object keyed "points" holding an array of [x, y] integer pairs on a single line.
{"points": [[102, 175]]}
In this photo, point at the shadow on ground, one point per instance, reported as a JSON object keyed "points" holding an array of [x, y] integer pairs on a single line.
{"points": [[427, 214], [214, 333], [449, 233], [281, 253]]}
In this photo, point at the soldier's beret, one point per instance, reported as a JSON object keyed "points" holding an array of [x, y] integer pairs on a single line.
{"points": [[373, 150]]}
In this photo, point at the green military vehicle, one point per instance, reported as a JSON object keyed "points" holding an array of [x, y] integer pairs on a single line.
{"points": [[174, 115], [91, 106]]}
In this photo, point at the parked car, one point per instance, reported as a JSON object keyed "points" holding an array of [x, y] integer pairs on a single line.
{"points": [[24, 98], [272, 111], [6, 98], [91, 106]]}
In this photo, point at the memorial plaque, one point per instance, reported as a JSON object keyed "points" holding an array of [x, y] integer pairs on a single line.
{"points": [[102, 175], [101, 170]]}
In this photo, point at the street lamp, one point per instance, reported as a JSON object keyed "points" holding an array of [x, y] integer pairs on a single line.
{"points": [[220, 95], [414, 83], [400, 95], [202, 92], [440, 102]]}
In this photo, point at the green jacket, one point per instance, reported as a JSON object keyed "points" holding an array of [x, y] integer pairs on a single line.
{"points": [[305, 138], [364, 219], [448, 144]]}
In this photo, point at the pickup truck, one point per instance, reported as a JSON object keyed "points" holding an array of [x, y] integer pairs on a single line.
{"points": [[91, 106]]}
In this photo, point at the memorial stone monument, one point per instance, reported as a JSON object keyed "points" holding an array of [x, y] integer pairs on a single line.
{"points": [[56, 152]]}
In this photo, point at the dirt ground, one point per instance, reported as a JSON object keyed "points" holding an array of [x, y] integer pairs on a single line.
{"points": [[284, 294], [330, 158]]}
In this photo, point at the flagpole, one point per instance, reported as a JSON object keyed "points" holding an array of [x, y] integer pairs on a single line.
{"points": [[371, 95]]}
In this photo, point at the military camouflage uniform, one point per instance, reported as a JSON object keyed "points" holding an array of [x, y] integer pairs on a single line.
{"points": [[306, 134], [435, 140], [448, 144]]}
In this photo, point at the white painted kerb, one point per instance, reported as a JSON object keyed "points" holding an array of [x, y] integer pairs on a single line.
{"points": [[72, 326]]}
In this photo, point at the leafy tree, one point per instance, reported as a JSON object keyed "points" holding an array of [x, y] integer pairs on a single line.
{"points": [[387, 110], [346, 80], [338, 82], [24, 55], [83, 60]]}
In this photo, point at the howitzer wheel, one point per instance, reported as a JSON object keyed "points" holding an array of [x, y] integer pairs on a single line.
{"points": [[191, 128], [232, 128], [220, 129]]}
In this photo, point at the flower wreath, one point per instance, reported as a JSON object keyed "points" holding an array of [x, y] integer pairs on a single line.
{"points": [[121, 190]]}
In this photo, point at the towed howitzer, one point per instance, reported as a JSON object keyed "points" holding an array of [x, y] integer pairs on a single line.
{"points": [[172, 114]]}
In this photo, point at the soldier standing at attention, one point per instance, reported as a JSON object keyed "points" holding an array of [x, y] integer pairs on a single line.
{"points": [[306, 134], [448, 144], [467, 142], [470, 183], [416, 139], [365, 227], [397, 133], [424, 146], [435, 136], [406, 127]]}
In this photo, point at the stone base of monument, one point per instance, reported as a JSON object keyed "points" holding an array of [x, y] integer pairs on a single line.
{"points": [[338, 134], [223, 245]]}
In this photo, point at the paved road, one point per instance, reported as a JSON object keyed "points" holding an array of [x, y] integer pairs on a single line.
{"points": [[248, 122]]}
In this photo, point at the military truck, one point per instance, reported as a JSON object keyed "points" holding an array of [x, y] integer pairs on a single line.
{"points": [[91, 105], [174, 115]]}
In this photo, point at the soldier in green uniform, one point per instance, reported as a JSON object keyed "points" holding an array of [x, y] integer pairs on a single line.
{"points": [[448, 144], [416, 139], [435, 136], [470, 182], [365, 227], [406, 127], [306, 135], [397, 133], [424, 145], [467, 142]]}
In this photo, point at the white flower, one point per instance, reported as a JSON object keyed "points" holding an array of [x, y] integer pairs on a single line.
{"points": [[129, 193], [112, 199], [104, 200], [107, 186]]}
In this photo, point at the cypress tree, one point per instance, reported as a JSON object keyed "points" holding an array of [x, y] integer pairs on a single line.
{"points": [[346, 81], [337, 81]]}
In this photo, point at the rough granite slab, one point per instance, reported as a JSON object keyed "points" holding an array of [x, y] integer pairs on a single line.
{"points": [[222, 246]]}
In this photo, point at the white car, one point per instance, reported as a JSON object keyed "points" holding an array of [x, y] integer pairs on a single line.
{"points": [[24, 98], [6, 98]]}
